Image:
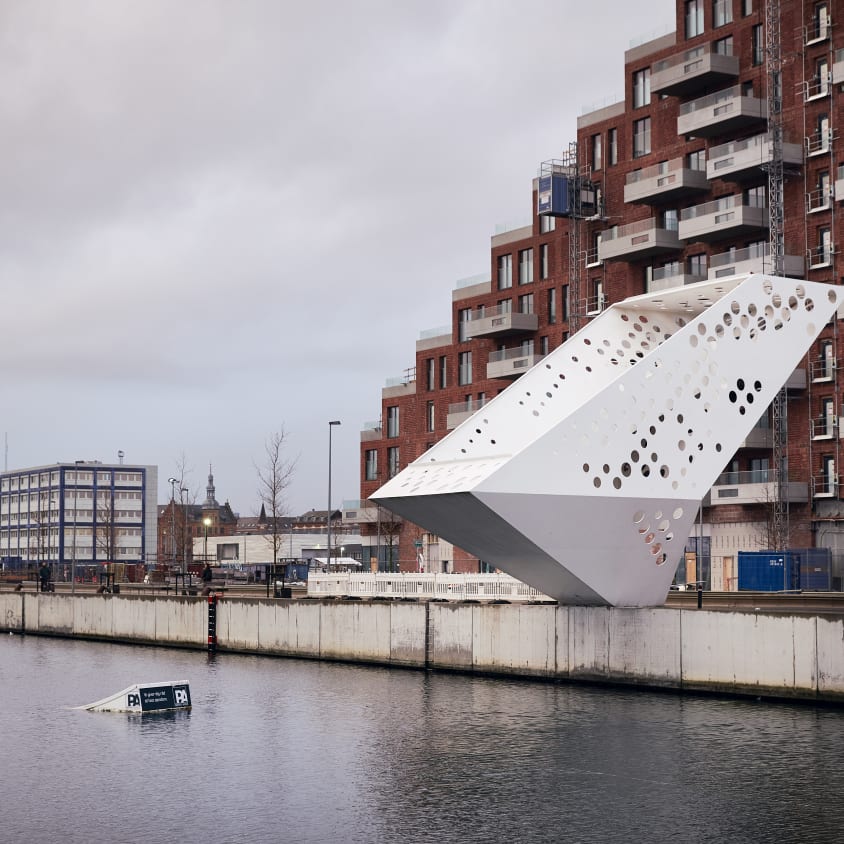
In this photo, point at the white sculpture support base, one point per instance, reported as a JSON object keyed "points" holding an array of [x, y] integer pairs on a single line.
{"points": [[584, 477]]}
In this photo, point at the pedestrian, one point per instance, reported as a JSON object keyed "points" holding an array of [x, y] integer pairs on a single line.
{"points": [[44, 576], [207, 575]]}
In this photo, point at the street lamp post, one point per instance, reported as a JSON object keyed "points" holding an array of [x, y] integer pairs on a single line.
{"points": [[328, 514], [206, 521], [172, 482]]}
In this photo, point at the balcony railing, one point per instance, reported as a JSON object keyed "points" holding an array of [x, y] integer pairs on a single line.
{"points": [[757, 486], [823, 368], [728, 216], [460, 411], [673, 275], [665, 180], [747, 157], [720, 112], [511, 363], [821, 256], [825, 486], [818, 142], [824, 427], [500, 321], [816, 31], [641, 239], [752, 259], [838, 67], [819, 200], [692, 70]]}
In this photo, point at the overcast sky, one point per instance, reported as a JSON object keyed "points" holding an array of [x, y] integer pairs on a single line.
{"points": [[218, 219]]}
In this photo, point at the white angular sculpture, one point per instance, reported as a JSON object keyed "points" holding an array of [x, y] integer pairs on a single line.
{"points": [[584, 477]]}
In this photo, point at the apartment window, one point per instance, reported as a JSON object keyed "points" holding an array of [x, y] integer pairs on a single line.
{"points": [[392, 421], [697, 264], [371, 465], [544, 264], [755, 197], [505, 271], [641, 137], [642, 88], [696, 160], [430, 374], [566, 303], [552, 306], [694, 18], [505, 306], [543, 346], [429, 416], [464, 368], [525, 266], [526, 303], [723, 46], [827, 359], [547, 224], [393, 461], [821, 77], [824, 250], [746, 7], [596, 303], [612, 147], [722, 12], [443, 372], [464, 316], [669, 218], [760, 468], [596, 152], [757, 42], [820, 21], [828, 480]]}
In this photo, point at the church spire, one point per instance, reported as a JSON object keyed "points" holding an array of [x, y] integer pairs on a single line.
{"points": [[210, 492]]}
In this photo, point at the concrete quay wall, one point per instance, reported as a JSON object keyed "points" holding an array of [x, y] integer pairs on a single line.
{"points": [[760, 654]]}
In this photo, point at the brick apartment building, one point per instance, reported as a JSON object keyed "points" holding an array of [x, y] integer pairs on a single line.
{"points": [[676, 181]]}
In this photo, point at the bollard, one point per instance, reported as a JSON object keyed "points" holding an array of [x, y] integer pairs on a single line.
{"points": [[699, 596], [212, 624]]}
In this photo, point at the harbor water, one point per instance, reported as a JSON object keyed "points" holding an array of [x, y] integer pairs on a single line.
{"points": [[300, 751]]}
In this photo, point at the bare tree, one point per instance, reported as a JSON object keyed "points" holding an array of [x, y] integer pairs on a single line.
{"points": [[389, 526], [106, 530], [275, 475]]}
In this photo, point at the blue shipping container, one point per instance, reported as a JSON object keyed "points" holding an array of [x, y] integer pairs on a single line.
{"points": [[768, 571]]}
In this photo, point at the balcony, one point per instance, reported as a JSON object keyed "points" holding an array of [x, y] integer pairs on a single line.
{"points": [[760, 436], [752, 259], [823, 369], [719, 113], [821, 256], [818, 142], [824, 427], [459, 412], [673, 275], [511, 363], [363, 512], [817, 88], [499, 322], [643, 239], [739, 160], [758, 486], [591, 258], [692, 70], [817, 31], [664, 181], [825, 486], [819, 199], [722, 218]]}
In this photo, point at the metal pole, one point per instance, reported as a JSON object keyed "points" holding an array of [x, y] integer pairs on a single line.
{"points": [[328, 514]]}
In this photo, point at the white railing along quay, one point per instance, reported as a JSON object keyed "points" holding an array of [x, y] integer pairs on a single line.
{"points": [[449, 587]]}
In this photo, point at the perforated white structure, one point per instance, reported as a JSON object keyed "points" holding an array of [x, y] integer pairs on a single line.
{"points": [[584, 477]]}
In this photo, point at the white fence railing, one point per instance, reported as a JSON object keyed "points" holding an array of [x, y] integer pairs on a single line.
{"points": [[449, 587]]}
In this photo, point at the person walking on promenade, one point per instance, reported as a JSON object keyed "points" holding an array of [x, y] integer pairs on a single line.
{"points": [[44, 577]]}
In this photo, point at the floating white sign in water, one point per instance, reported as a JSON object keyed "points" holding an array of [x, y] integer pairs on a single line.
{"points": [[145, 698]]}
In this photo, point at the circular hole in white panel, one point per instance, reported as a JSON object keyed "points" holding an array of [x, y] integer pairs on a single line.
{"points": [[745, 321], [735, 307], [616, 482], [810, 305], [792, 302], [751, 309], [701, 329], [664, 471], [596, 481], [769, 312], [681, 445], [777, 325], [646, 470], [536, 413], [678, 513], [777, 300], [832, 296], [810, 329], [767, 286], [649, 538], [663, 525], [638, 516], [728, 319], [719, 331]]}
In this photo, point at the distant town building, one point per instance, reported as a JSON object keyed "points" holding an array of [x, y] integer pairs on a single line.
{"points": [[80, 514], [181, 522]]}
